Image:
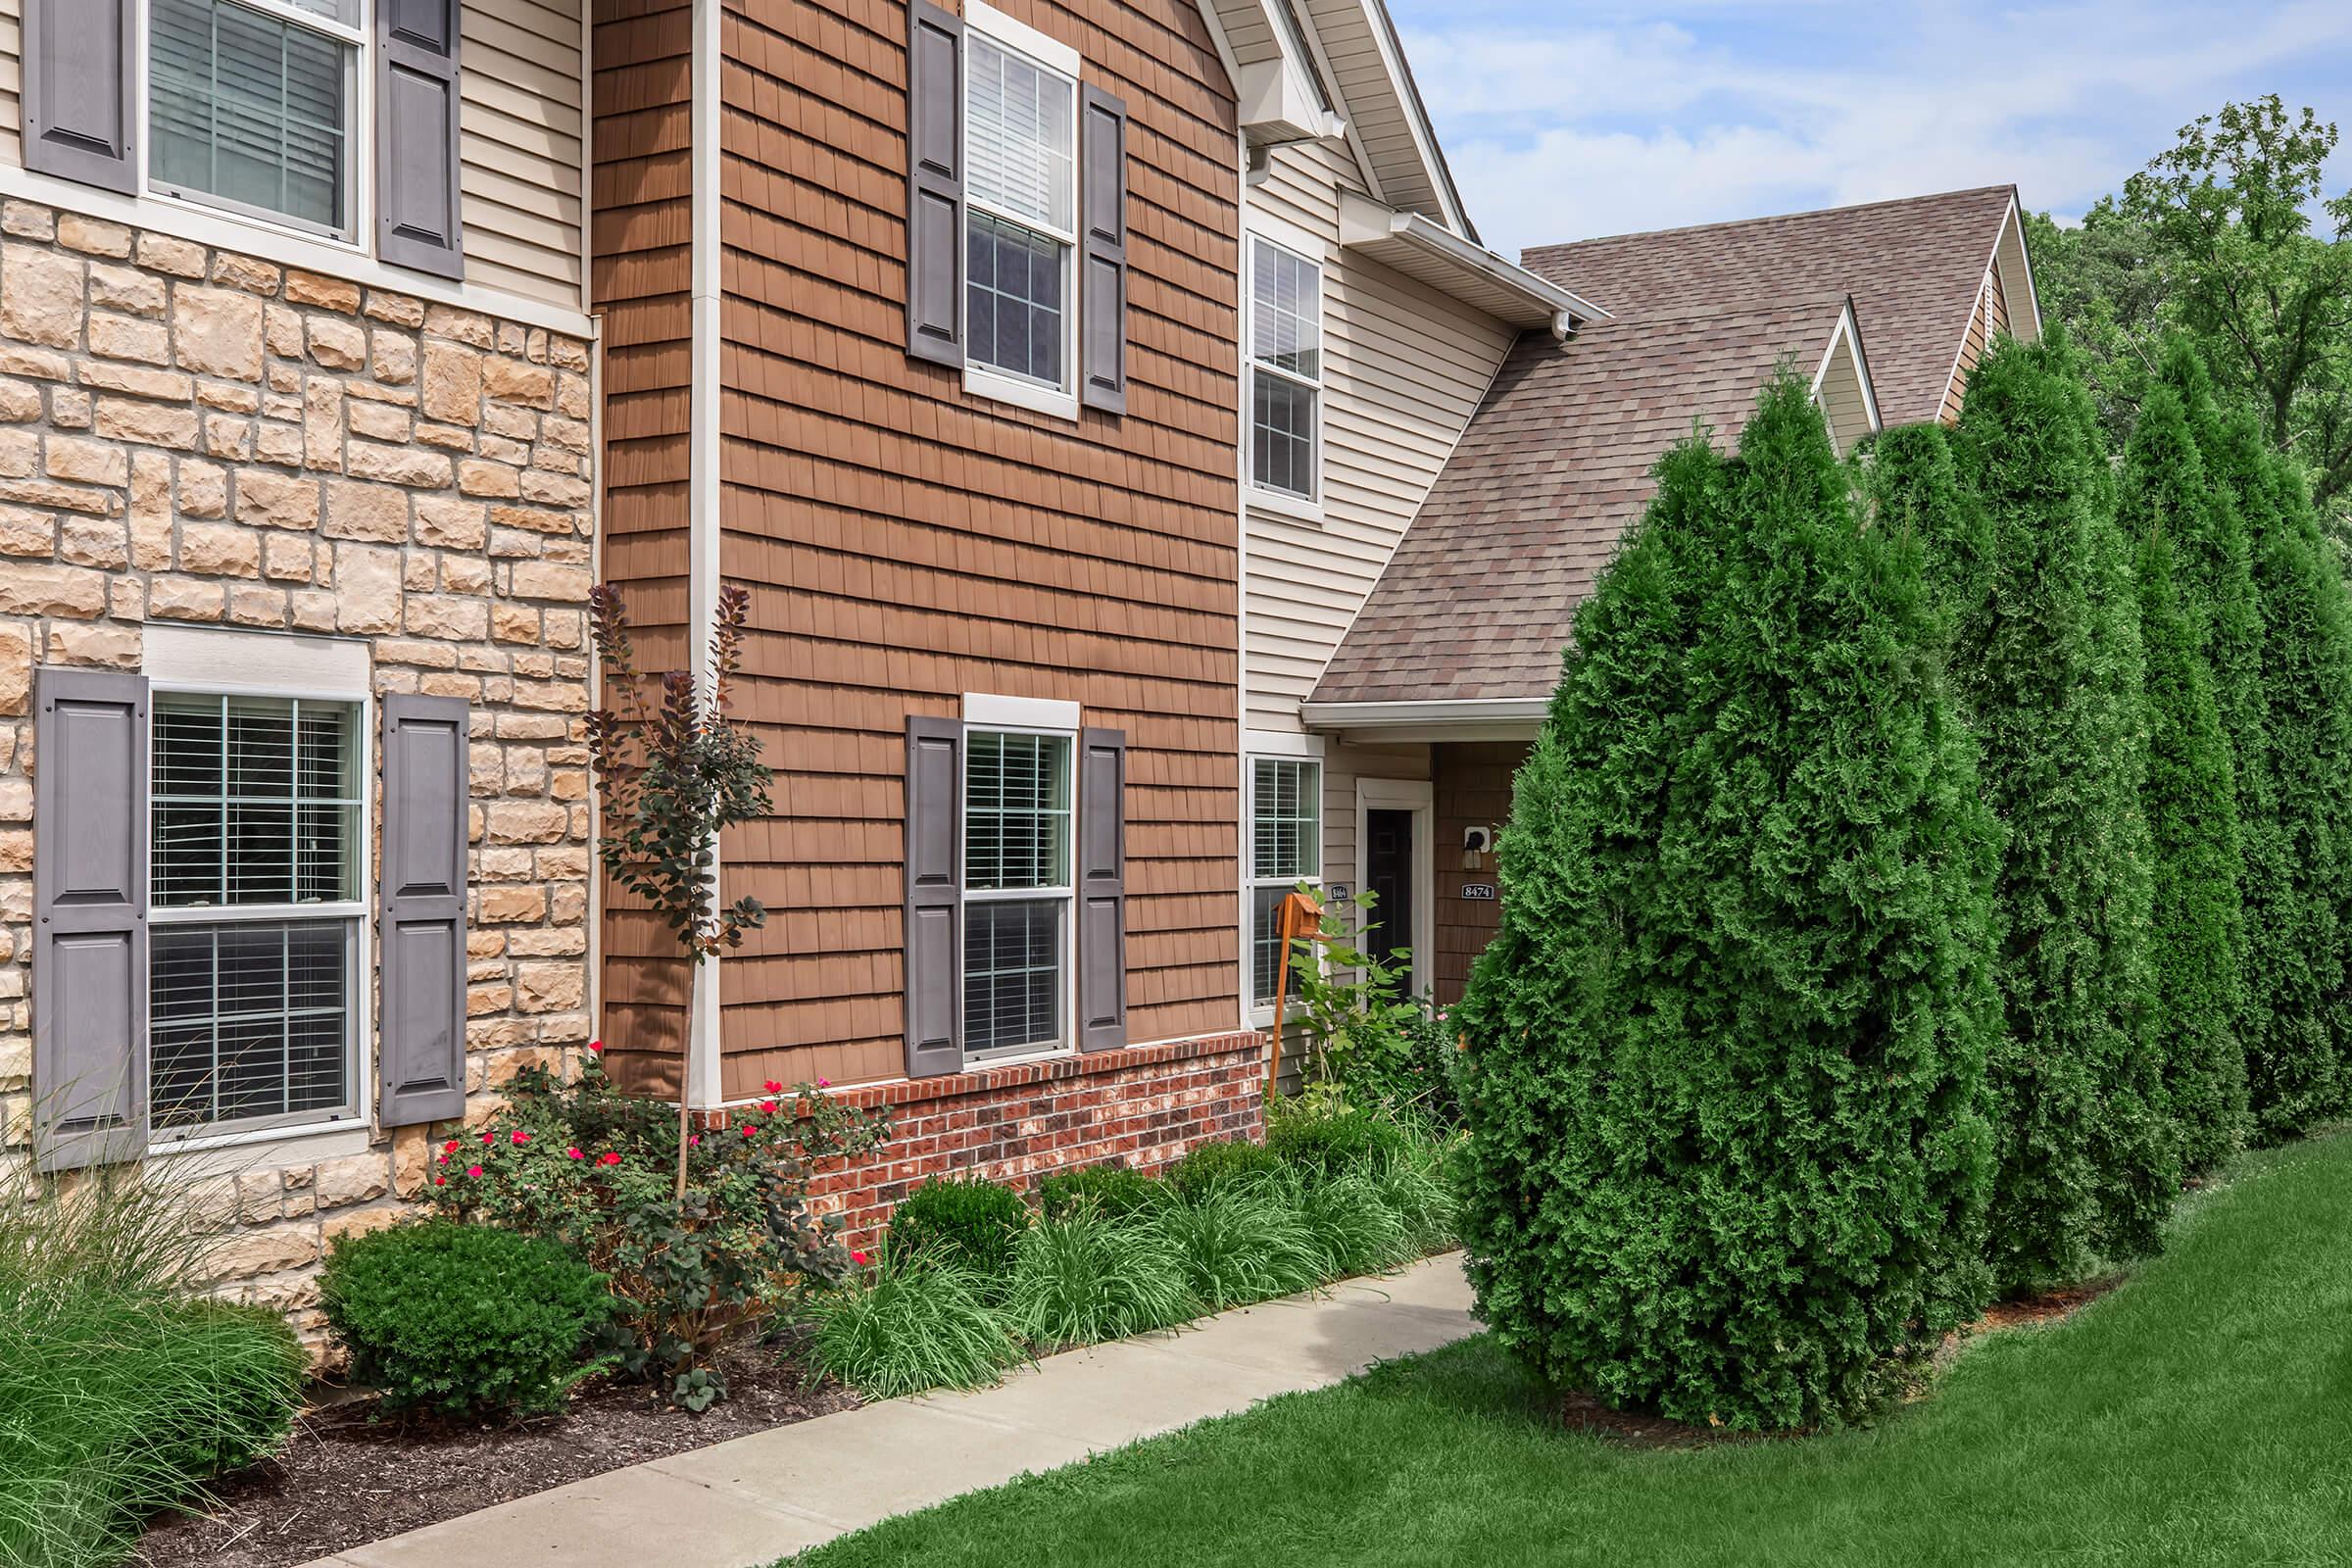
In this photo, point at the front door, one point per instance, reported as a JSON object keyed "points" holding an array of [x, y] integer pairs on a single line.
{"points": [[1389, 878]]}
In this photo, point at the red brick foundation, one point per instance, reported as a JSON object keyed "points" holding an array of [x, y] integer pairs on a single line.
{"points": [[1142, 1107]]}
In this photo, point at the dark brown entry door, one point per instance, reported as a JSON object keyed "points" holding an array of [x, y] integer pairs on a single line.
{"points": [[1388, 877]]}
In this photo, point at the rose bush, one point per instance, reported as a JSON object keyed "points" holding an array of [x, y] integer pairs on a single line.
{"points": [[580, 1163]]}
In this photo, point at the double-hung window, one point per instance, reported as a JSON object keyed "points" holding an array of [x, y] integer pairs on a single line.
{"points": [[1285, 849], [257, 916], [1017, 891], [252, 106], [1285, 371], [1021, 213]]}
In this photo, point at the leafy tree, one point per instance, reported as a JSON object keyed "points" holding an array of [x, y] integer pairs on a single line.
{"points": [[1725, 1078], [2191, 801], [672, 776], [2216, 237], [2086, 1157], [1908, 483]]}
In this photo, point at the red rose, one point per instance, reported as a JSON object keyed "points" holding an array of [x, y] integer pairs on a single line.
{"points": [[473, 1170], [858, 1258], [596, 1045], [450, 1147], [767, 1108], [440, 1181], [520, 1137], [748, 1130], [607, 1158], [772, 1087], [574, 1153]]}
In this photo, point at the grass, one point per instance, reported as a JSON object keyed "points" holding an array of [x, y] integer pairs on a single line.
{"points": [[2200, 1414], [920, 1322]]}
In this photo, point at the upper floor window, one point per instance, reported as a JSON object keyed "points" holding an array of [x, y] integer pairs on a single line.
{"points": [[1285, 371], [252, 106], [1021, 225]]}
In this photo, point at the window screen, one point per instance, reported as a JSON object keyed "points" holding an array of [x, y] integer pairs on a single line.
{"points": [[1021, 129], [1016, 836], [254, 877], [1286, 369], [1285, 849], [249, 107]]}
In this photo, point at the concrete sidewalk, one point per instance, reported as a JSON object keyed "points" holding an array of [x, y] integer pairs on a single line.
{"points": [[747, 1502]]}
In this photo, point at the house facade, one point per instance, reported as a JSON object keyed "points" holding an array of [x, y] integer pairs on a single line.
{"points": [[296, 481], [1449, 662], [1149, 491]]}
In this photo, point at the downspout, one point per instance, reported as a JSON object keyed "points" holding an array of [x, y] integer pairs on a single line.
{"points": [[700, 1075]]}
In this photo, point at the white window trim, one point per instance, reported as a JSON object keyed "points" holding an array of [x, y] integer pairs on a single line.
{"points": [[1419, 797], [981, 380], [1273, 747], [1265, 497], [1066, 894], [327, 669], [359, 148]]}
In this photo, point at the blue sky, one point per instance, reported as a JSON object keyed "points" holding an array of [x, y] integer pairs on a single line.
{"points": [[1567, 121]]}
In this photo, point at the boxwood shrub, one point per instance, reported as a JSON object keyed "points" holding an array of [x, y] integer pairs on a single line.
{"points": [[462, 1319], [975, 1223]]}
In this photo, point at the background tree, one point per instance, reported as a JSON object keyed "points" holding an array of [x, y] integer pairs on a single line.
{"points": [[2086, 1156], [2192, 802], [2232, 236], [1727, 1056]]}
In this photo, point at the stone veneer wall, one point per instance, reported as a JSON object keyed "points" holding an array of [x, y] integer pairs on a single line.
{"points": [[191, 435], [1142, 1107]]}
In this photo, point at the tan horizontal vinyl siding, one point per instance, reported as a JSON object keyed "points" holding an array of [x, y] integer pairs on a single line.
{"points": [[519, 125], [12, 81], [1405, 368]]}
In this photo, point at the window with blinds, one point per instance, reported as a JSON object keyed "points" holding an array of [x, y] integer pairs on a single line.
{"points": [[1021, 191], [1285, 849], [249, 106], [1018, 892], [255, 886], [1286, 369]]}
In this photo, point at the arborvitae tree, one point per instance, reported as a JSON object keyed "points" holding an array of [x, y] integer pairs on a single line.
{"points": [[2192, 802], [1725, 1077], [2214, 571], [1909, 485], [2296, 1067], [2086, 1160]]}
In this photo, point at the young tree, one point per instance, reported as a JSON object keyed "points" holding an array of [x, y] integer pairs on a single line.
{"points": [[672, 777], [2086, 1154], [1908, 484], [1726, 1066], [2191, 801]]}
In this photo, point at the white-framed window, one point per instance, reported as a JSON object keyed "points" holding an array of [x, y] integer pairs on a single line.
{"points": [[257, 879], [1018, 893], [1021, 293], [254, 106], [1286, 371], [1285, 849]]}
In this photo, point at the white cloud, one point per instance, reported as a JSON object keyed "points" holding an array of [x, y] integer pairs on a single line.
{"points": [[1704, 112]]}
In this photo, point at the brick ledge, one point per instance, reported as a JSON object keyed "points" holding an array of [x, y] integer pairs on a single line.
{"points": [[1052, 1069]]}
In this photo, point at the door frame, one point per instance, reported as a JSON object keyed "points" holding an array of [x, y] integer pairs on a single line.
{"points": [[1418, 796]]}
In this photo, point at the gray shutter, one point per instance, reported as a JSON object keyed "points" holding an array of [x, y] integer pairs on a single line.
{"points": [[89, 939], [417, 221], [79, 121], [1102, 890], [422, 1016], [933, 184], [1103, 300], [934, 897]]}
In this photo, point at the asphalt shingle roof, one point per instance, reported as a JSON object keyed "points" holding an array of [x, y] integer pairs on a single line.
{"points": [[1555, 465]]}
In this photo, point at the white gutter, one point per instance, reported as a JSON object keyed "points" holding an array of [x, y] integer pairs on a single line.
{"points": [[1411, 237], [1463, 718], [699, 1074]]}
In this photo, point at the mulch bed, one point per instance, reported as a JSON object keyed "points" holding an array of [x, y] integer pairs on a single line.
{"points": [[1579, 1411], [346, 1479]]}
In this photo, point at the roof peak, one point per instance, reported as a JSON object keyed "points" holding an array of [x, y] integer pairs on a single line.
{"points": [[1558, 247]]}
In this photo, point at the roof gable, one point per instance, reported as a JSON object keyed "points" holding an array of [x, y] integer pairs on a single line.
{"points": [[1914, 267]]}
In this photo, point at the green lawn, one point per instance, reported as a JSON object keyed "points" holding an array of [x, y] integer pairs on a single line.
{"points": [[2200, 1414]]}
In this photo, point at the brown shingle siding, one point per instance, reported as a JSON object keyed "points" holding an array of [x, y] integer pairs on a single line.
{"points": [[907, 543]]}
